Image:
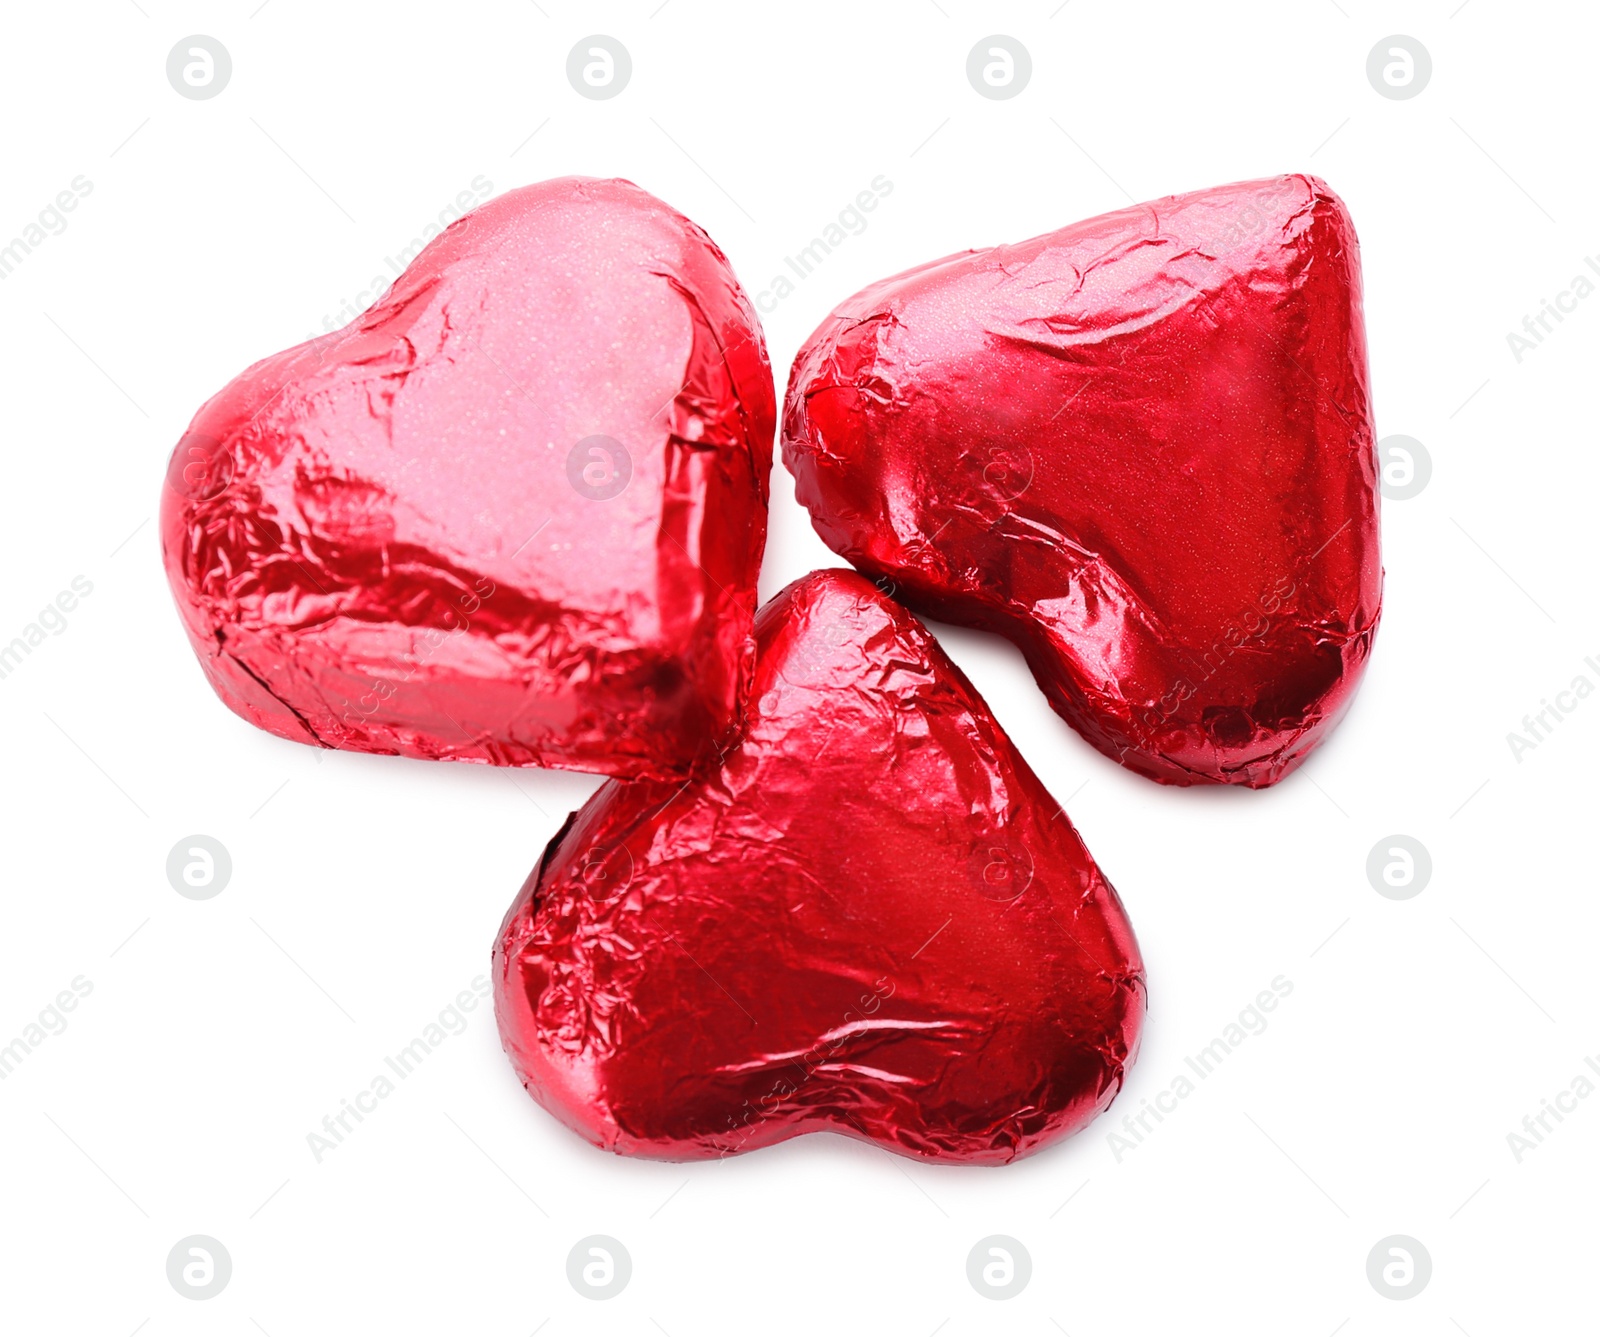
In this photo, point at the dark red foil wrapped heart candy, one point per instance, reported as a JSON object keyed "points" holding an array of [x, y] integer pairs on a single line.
{"points": [[871, 919], [1141, 447], [514, 513]]}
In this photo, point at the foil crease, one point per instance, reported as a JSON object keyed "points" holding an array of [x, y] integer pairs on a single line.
{"points": [[513, 513], [1140, 447], [870, 918]]}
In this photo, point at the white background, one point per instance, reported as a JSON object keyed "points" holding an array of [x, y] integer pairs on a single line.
{"points": [[366, 891]]}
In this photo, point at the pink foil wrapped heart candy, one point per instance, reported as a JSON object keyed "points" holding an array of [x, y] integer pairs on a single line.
{"points": [[514, 513]]}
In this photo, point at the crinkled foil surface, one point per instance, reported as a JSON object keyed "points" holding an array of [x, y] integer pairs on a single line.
{"points": [[1141, 447], [513, 513], [870, 919]]}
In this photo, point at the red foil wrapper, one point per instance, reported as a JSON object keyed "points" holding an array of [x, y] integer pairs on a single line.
{"points": [[513, 513], [1141, 447], [871, 919]]}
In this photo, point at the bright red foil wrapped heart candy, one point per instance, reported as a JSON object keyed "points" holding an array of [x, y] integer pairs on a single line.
{"points": [[1141, 447], [872, 919], [514, 513]]}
